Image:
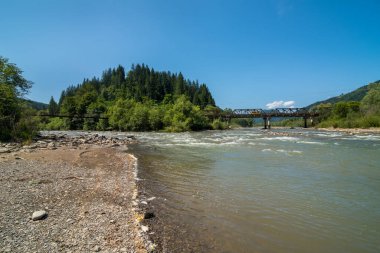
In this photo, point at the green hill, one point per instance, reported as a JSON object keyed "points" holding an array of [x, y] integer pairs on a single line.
{"points": [[36, 105], [356, 95]]}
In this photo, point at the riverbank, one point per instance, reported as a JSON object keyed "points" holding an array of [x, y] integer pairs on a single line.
{"points": [[86, 185]]}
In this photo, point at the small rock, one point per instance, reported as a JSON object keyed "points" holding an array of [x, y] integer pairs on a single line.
{"points": [[39, 215], [97, 248], [149, 215], [152, 247], [144, 202], [152, 198], [145, 228], [4, 150], [112, 221]]}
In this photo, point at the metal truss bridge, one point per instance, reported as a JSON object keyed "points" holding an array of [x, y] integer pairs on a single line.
{"points": [[266, 115]]}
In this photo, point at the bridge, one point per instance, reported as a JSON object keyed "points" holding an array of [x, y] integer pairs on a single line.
{"points": [[266, 115]]}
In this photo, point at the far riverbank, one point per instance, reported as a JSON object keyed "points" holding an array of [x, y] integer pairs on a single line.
{"points": [[374, 130]]}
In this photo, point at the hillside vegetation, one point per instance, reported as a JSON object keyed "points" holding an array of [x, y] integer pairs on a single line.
{"points": [[356, 95], [357, 109]]}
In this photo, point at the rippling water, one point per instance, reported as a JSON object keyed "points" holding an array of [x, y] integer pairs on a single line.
{"points": [[250, 191], [254, 191]]}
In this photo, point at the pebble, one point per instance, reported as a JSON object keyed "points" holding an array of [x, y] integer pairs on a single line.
{"points": [[144, 228], [152, 198], [149, 215], [97, 248], [39, 215]]}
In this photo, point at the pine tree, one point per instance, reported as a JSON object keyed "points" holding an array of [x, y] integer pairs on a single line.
{"points": [[53, 107]]}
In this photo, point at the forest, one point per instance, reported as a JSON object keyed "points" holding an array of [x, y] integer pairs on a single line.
{"points": [[140, 100]]}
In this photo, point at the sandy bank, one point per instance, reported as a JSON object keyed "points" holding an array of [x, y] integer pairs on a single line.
{"points": [[87, 191]]}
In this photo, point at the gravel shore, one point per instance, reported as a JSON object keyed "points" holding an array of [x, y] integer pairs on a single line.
{"points": [[87, 190]]}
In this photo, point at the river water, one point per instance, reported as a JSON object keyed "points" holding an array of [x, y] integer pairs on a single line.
{"points": [[255, 191], [251, 190]]}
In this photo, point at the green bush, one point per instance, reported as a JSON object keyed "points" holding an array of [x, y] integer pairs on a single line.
{"points": [[55, 124], [217, 124]]}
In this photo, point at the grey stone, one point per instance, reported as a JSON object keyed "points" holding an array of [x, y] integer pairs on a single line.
{"points": [[4, 150], [97, 248], [39, 215]]}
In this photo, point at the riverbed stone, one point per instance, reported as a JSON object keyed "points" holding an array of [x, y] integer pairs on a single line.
{"points": [[4, 150], [39, 215]]}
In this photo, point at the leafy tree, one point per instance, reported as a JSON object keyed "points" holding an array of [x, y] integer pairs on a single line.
{"points": [[371, 102], [9, 111], [13, 123], [11, 76]]}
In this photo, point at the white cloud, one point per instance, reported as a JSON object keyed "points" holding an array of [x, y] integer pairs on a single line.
{"points": [[278, 104]]}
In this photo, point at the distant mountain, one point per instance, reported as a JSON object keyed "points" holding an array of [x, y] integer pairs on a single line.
{"points": [[356, 95], [36, 105]]}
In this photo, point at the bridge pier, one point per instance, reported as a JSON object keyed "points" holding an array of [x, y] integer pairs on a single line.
{"points": [[305, 122], [266, 122]]}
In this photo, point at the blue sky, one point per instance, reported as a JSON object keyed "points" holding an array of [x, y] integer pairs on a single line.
{"points": [[249, 53]]}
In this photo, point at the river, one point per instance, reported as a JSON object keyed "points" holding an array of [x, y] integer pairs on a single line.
{"points": [[250, 190]]}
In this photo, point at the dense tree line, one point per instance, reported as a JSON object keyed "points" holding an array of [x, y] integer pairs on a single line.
{"points": [[141, 100], [140, 83]]}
